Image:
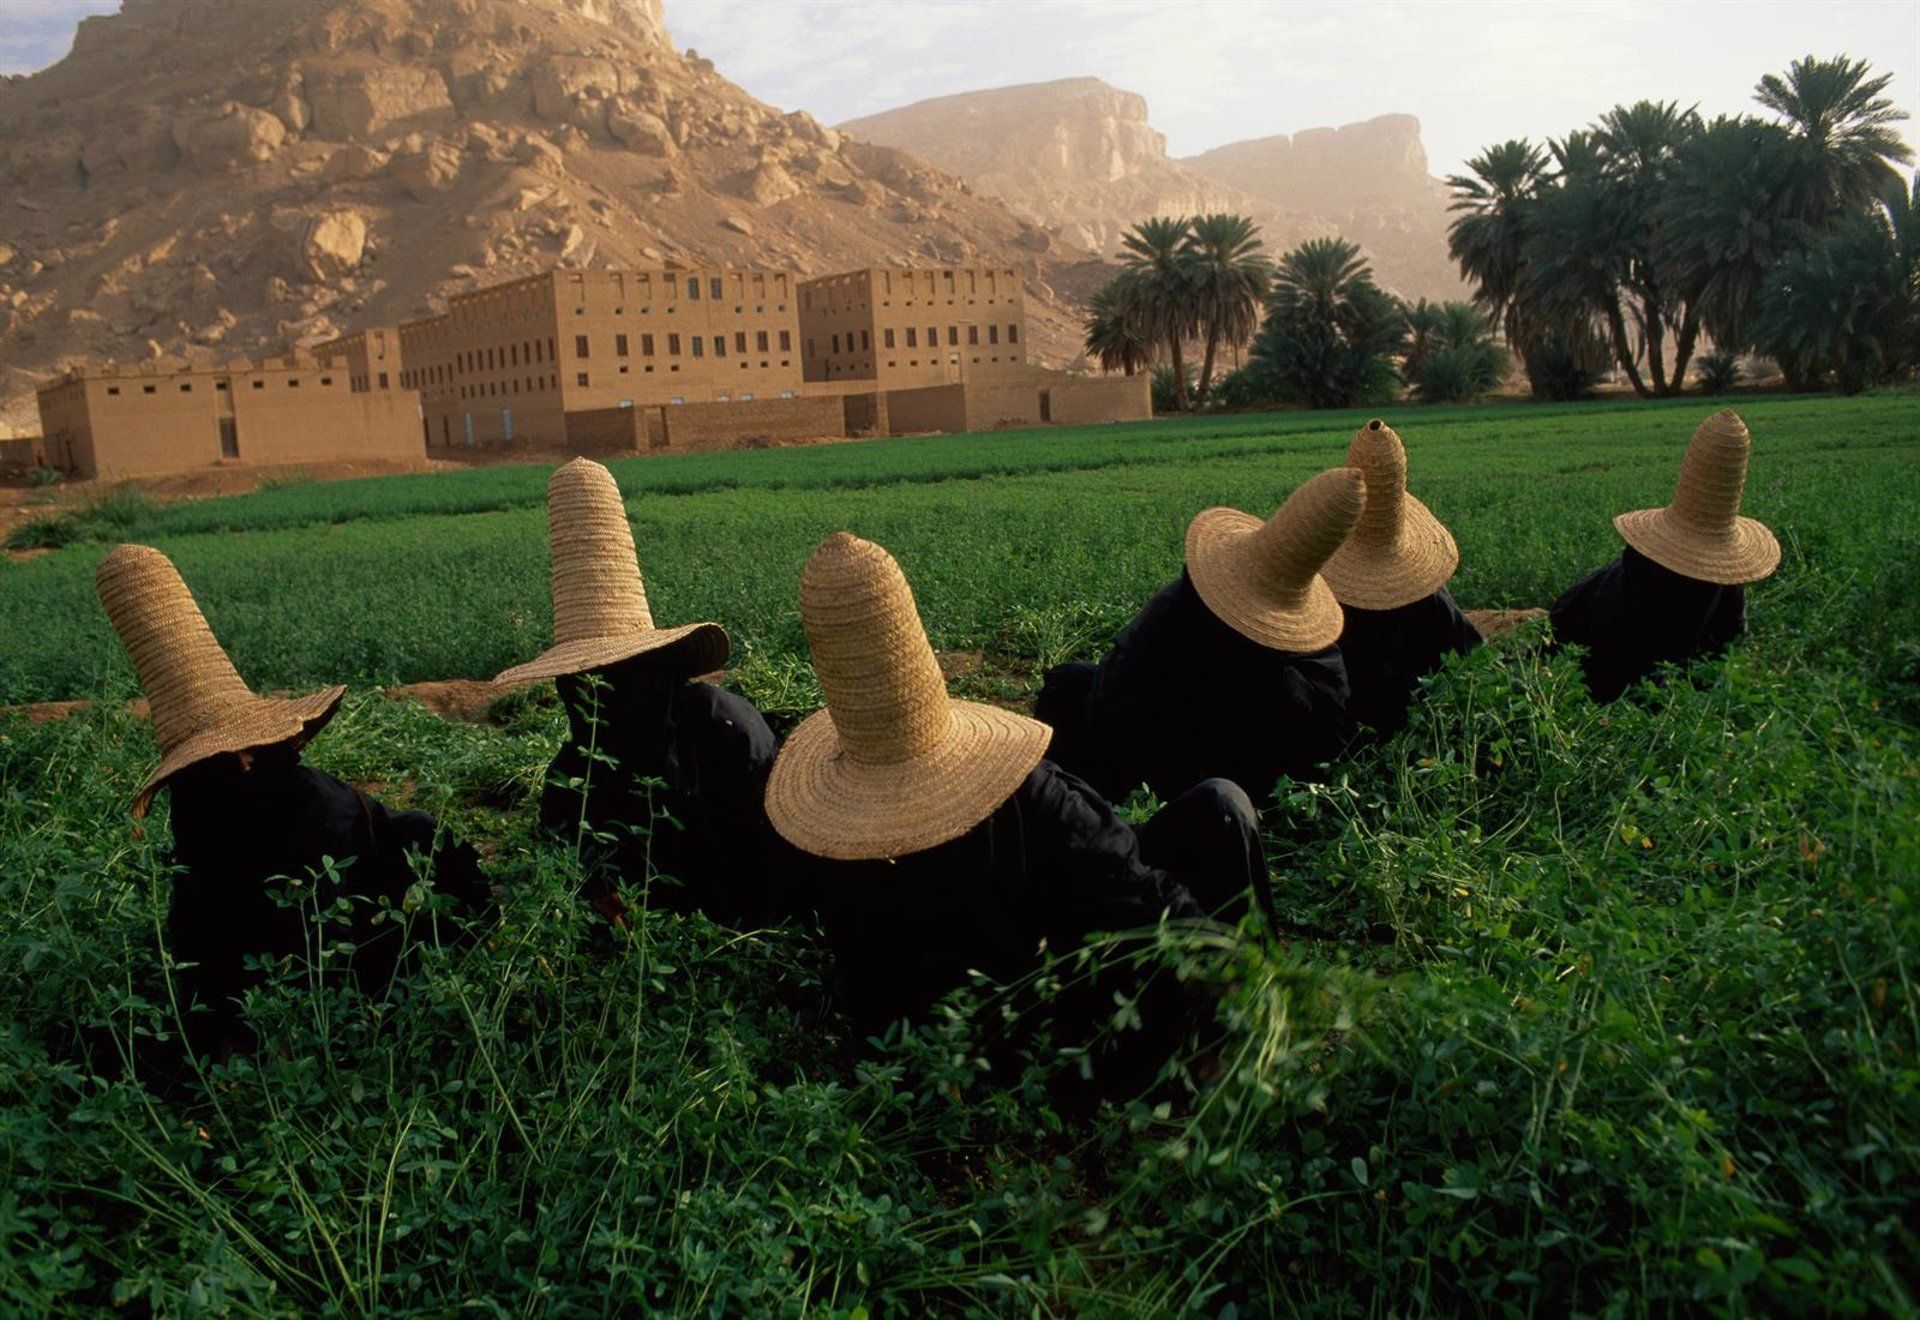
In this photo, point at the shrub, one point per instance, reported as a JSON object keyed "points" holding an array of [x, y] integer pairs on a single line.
{"points": [[1331, 335], [1451, 353], [45, 476], [1557, 370], [1162, 389], [1247, 386], [1459, 373], [1718, 371]]}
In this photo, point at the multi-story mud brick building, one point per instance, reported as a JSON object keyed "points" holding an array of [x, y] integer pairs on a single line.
{"points": [[673, 358]]}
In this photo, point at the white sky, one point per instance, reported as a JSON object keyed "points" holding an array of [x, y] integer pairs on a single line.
{"points": [[1214, 71]]}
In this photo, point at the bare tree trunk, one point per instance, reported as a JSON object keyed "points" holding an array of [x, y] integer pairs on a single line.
{"points": [[1683, 348], [1206, 368], [1622, 351], [1656, 346], [1180, 402]]}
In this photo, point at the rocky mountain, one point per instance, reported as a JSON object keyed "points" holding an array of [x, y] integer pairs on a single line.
{"points": [[201, 178], [1081, 156]]}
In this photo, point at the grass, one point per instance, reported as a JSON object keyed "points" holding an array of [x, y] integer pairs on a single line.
{"points": [[1617, 1014]]}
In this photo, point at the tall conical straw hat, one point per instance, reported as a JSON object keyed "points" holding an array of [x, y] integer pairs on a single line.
{"points": [[199, 703], [600, 614], [1398, 552], [1701, 533], [893, 765], [1263, 578]]}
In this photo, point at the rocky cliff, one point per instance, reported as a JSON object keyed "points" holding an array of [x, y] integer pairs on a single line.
{"points": [[1081, 156], [207, 179]]}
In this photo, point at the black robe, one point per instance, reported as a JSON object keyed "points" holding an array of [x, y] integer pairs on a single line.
{"points": [[241, 834], [675, 786], [1634, 616], [1182, 697], [1388, 652], [1051, 866]]}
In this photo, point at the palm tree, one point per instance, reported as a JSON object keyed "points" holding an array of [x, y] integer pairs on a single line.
{"points": [[1844, 129], [1162, 289], [1229, 276], [1724, 222], [1573, 266], [1331, 334], [1487, 239], [1639, 143], [1116, 335]]}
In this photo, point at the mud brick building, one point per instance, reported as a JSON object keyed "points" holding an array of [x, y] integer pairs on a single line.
{"points": [[371, 358], [903, 328], [514, 362], [108, 423]]}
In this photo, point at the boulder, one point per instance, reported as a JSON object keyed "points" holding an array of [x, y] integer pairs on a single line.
{"points": [[640, 131], [235, 135], [351, 107], [771, 183], [560, 84], [737, 225], [426, 169], [354, 161], [292, 110], [326, 245]]}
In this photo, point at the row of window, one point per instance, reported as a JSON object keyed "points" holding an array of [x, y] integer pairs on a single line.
{"points": [[583, 347], [913, 338], [186, 387]]}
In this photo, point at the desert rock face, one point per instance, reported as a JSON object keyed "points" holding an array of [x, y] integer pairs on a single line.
{"points": [[344, 163], [1082, 156]]}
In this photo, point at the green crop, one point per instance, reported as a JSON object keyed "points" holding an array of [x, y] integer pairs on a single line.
{"points": [[1605, 1009]]}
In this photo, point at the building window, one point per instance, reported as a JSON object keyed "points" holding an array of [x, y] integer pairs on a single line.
{"points": [[1013, 334], [913, 338], [581, 378], [113, 390], [760, 341], [719, 346], [933, 336], [713, 289], [293, 383], [866, 341], [693, 288], [699, 346], [953, 334], [218, 385], [993, 334], [678, 398], [646, 345], [887, 338], [188, 389], [786, 342], [973, 334], [620, 346], [786, 394], [580, 346], [740, 341], [148, 389], [383, 381]]}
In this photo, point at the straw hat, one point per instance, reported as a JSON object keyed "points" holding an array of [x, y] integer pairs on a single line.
{"points": [[600, 614], [893, 765], [200, 706], [1398, 552], [1701, 533], [1263, 578]]}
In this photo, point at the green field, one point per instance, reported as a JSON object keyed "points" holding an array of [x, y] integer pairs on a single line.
{"points": [[1607, 1010]]}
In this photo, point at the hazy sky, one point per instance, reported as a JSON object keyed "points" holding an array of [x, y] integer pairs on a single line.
{"points": [[1215, 71]]}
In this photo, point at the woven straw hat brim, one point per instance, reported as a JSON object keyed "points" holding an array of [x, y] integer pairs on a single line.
{"points": [[1748, 554], [264, 722], [827, 805], [706, 647], [1385, 577], [1217, 541]]}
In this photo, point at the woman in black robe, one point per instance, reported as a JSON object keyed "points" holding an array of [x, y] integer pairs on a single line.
{"points": [[944, 844], [1677, 592], [1229, 671], [660, 779], [1390, 578], [273, 857]]}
